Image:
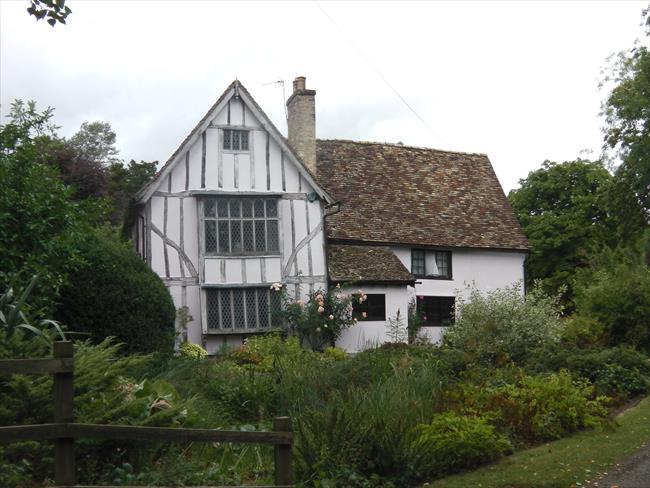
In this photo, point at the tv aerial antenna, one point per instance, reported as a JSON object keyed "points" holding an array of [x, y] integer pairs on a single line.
{"points": [[280, 82]]}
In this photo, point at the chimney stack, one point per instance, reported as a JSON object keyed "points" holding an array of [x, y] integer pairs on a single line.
{"points": [[301, 108]]}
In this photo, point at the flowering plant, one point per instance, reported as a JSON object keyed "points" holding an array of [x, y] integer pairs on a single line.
{"points": [[319, 320]]}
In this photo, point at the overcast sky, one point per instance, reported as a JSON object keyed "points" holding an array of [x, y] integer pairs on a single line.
{"points": [[518, 81]]}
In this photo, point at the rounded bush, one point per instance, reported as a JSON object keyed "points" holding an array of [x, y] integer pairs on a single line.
{"points": [[114, 293]]}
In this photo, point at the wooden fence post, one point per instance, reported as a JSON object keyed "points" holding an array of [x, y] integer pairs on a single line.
{"points": [[283, 467], [64, 462]]}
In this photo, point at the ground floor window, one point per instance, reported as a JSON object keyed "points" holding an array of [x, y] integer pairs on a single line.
{"points": [[242, 308], [436, 311], [373, 308]]}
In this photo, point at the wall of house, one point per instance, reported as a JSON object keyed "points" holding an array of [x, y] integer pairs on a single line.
{"points": [[366, 334], [485, 269], [174, 218]]}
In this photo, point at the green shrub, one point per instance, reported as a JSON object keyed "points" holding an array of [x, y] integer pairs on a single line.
{"points": [[537, 408], [615, 292], [503, 326], [192, 351], [620, 372], [115, 294], [452, 442]]}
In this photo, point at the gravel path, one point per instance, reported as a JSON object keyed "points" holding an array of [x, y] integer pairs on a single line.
{"points": [[632, 471]]}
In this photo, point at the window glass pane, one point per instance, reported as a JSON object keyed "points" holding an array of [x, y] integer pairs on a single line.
{"points": [[227, 139], [436, 311], [263, 306], [260, 237], [259, 208], [212, 308], [251, 308], [235, 237], [210, 236], [222, 208], [417, 262], [249, 239], [235, 140], [271, 208], [208, 207], [442, 260], [238, 308], [235, 210], [272, 228], [244, 140], [374, 308], [226, 309], [276, 309], [224, 237], [247, 207], [431, 266]]}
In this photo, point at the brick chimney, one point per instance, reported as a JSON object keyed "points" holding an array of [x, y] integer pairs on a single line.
{"points": [[301, 108]]}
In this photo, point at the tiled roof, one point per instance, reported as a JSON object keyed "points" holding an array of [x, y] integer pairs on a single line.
{"points": [[397, 194], [365, 264]]}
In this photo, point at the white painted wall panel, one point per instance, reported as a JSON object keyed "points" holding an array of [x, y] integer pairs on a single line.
{"points": [[233, 271], [191, 230], [273, 270], [178, 174], [290, 175], [228, 172], [194, 332], [259, 145], [368, 334], [211, 154], [195, 165], [253, 270], [157, 211], [157, 256], [275, 165], [245, 172], [251, 121], [213, 270], [318, 255], [174, 219]]}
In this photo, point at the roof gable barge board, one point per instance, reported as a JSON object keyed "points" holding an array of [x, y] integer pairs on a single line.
{"points": [[235, 89]]}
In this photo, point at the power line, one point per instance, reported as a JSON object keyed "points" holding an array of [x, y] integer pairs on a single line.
{"points": [[383, 78]]}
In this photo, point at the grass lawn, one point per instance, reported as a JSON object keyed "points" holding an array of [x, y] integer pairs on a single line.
{"points": [[564, 463]]}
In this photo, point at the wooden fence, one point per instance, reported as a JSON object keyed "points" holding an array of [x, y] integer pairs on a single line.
{"points": [[64, 431]]}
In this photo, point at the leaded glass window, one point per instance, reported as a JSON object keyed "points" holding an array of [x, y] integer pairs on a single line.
{"points": [[242, 308], [235, 140], [431, 264], [241, 226]]}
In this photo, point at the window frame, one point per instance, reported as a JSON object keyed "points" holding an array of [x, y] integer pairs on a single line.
{"points": [[427, 323], [239, 131], [273, 305], [217, 252], [448, 253], [359, 308]]}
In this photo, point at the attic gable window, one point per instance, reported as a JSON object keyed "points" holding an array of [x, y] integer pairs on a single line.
{"points": [[431, 264], [241, 226], [235, 140]]}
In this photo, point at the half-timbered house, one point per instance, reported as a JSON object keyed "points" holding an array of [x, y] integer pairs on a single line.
{"points": [[239, 207]]}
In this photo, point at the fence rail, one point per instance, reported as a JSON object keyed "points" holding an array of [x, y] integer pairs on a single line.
{"points": [[63, 431]]}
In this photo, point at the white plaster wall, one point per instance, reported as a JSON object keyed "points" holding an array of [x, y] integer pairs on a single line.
{"points": [[367, 334], [486, 269]]}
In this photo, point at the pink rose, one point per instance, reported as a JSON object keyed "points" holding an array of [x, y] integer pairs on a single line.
{"points": [[331, 317], [364, 314], [321, 309]]}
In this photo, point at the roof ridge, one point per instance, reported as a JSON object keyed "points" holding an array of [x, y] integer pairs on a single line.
{"points": [[394, 144]]}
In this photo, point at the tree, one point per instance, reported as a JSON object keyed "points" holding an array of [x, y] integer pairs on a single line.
{"points": [[52, 10], [563, 211], [40, 224], [627, 133], [95, 141], [123, 184]]}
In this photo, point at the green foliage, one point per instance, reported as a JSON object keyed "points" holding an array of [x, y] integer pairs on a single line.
{"points": [[192, 351], [503, 326], [40, 225], [563, 211], [396, 329], [537, 408], [451, 442], [52, 10], [124, 181], [15, 314], [615, 293], [627, 130], [319, 321], [619, 372], [95, 141], [115, 293]]}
